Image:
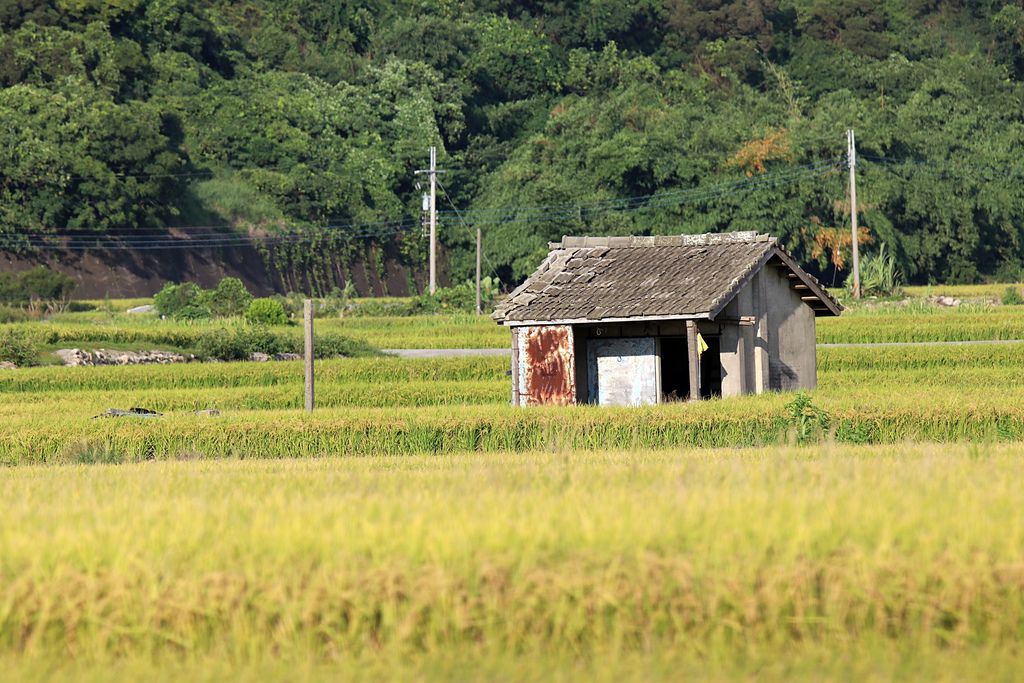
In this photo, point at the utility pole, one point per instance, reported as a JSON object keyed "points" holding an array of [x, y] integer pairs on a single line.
{"points": [[851, 154], [479, 248], [433, 171]]}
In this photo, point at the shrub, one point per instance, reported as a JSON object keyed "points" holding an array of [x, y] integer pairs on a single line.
{"points": [[257, 338], [807, 422], [879, 275], [333, 345], [18, 346], [1012, 297], [457, 298], [229, 298], [10, 314], [181, 301], [239, 343], [38, 284], [266, 312]]}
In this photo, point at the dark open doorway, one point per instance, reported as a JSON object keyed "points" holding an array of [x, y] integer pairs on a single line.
{"points": [[675, 369], [711, 368]]}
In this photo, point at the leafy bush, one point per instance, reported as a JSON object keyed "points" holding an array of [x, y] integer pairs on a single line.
{"points": [[879, 275], [10, 314], [181, 301], [240, 342], [458, 298], [18, 346], [1012, 297], [189, 301], [37, 284], [336, 304], [229, 298], [266, 312], [334, 345], [375, 308]]}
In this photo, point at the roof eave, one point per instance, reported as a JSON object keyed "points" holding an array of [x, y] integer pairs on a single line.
{"points": [[833, 306], [703, 315]]}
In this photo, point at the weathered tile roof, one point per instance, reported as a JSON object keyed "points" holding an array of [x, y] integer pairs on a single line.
{"points": [[601, 278]]}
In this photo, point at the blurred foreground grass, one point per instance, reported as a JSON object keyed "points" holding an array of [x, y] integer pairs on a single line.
{"points": [[819, 562]]}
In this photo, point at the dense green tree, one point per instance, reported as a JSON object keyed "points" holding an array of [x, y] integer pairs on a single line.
{"points": [[75, 160], [646, 116]]}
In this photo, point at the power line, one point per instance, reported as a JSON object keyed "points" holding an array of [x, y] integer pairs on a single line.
{"points": [[128, 238], [183, 174], [211, 227], [79, 244], [494, 271]]}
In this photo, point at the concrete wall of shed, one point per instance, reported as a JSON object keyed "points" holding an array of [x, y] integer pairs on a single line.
{"points": [[737, 344], [778, 351], [792, 351]]}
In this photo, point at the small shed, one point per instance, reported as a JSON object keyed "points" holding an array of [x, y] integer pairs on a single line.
{"points": [[644, 320]]}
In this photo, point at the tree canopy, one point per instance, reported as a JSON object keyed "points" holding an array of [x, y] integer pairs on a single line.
{"points": [[127, 117]]}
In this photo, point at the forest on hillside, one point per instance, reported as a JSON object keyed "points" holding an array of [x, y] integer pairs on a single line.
{"points": [[298, 124]]}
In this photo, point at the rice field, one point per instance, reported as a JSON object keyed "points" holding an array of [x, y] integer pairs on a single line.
{"points": [[911, 320], [394, 406], [827, 560], [416, 527]]}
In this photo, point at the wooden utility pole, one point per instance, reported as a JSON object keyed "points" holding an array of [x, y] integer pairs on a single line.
{"points": [[433, 219], [433, 171], [851, 153], [307, 324], [479, 249]]}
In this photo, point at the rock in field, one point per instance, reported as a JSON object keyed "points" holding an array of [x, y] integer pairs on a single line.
{"points": [[76, 357], [946, 301]]}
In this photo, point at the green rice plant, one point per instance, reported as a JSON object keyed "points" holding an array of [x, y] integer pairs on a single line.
{"points": [[807, 421], [1000, 323], [28, 434], [938, 358], [268, 397], [990, 291], [425, 331], [371, 370], [179, 336]]}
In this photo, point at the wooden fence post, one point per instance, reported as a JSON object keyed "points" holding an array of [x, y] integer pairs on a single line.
{"points": [[694, 359], [307, 323]]}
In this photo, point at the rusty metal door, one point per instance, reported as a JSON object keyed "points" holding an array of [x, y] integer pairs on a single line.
{"points": [[547, 368]]}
